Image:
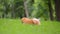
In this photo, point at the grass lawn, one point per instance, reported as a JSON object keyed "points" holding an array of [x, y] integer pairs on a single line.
{"points": [[14, 26]]}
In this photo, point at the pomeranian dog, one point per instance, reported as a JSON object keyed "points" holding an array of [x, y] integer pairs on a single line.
{"points": [[30, 21]]}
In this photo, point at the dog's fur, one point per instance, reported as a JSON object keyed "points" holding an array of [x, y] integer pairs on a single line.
{"points": [[36, 21]]}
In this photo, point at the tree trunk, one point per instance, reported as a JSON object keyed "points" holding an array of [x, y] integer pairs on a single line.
{"points": [[13, 13], [57, 8], [50, 10], [4, 15], [26, 8]]}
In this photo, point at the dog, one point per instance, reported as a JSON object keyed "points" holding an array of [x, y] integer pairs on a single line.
{"points": [[30, 21]]}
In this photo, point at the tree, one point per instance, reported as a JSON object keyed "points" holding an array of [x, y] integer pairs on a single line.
{"points": [[26, 8], [50, 10], [5, 12], [57, 8], [13, 14]]}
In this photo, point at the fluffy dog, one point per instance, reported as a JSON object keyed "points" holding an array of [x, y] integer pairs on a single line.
{"points": [[30, 21]]}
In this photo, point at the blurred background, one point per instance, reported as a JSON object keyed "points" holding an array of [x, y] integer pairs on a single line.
{"points": [[45, 9]]}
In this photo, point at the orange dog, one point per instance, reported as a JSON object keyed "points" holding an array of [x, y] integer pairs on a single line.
{"points": [[30, 21]]}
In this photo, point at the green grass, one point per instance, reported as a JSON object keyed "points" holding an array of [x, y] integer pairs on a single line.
{"points": [[14, 26]]}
